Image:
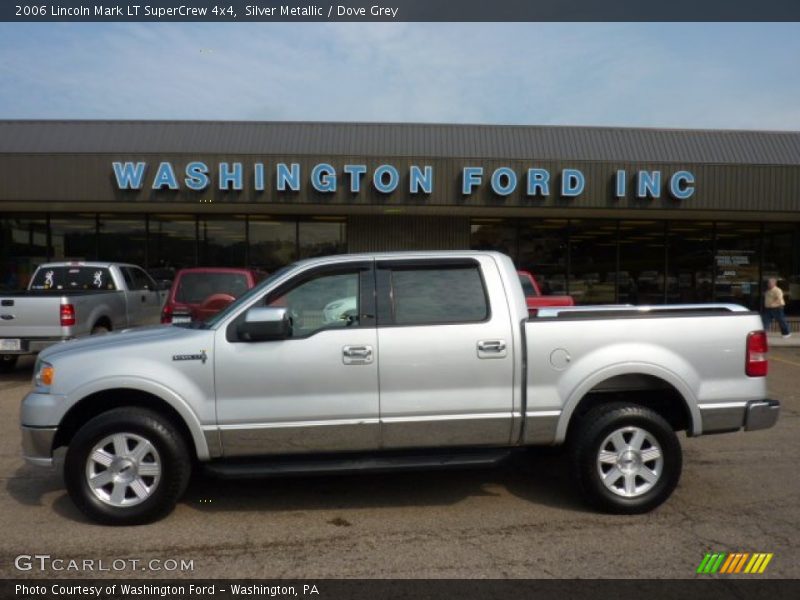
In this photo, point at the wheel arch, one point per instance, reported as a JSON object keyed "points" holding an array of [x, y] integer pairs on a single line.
{"points": [[667, 394]]}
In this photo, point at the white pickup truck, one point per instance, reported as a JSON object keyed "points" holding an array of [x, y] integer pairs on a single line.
{"points": [[431, 362], [67, 300]]}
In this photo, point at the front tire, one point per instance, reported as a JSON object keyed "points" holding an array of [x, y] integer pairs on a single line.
{"points": [[626, 458], [127, 466]]}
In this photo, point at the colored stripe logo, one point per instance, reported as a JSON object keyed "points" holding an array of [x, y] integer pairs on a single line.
{"points": [[734, 563]]}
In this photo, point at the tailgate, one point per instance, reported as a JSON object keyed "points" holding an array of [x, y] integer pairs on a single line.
{"points": [[30, 316]]}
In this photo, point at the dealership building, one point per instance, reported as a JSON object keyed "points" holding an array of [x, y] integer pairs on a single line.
{"points": [[603, 214]]}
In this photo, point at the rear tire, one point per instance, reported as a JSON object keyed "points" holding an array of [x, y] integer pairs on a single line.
{"points": [[626, 458], [100, 330], [8, 362], [127, 466]]}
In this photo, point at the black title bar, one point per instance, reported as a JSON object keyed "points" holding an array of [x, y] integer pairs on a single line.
{"points": [[398, 10]]}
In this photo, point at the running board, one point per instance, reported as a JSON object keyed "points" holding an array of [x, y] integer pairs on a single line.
{"points": [[247, 468]]}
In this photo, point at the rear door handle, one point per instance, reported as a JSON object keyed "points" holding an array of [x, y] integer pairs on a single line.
{"points": [[357, 355], [491, 349]]}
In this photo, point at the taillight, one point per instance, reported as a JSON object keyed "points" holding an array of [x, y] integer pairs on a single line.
{"points": [[756, 361], [166, 313], [67, 315]]}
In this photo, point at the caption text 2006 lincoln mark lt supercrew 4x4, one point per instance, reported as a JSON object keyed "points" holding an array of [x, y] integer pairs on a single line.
{"points": [[397, 360]]}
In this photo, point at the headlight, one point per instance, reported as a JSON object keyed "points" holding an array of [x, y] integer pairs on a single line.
{"points": [[43, 374]]}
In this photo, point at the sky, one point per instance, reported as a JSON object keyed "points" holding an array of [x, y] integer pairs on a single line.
{"points": [[721, 76]]}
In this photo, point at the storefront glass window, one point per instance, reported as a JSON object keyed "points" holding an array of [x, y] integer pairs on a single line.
{"points": [[690, 262], [593, 259], [122, 239], [73, 237], [322, 237], [223, 242], [782, 261], [543, 252], [643, 278], [23, 246], [273, 244], [494, 234], [172, 242], [736, 260]]}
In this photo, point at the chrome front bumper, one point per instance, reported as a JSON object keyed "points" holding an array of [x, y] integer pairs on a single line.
{"points": [[37, 445]]}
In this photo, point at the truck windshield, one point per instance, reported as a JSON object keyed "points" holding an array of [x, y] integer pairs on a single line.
{"points": [[244, 298], [72, 278]]}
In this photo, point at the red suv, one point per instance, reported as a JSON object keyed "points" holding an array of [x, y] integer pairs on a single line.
{"points": [[196, 294]]}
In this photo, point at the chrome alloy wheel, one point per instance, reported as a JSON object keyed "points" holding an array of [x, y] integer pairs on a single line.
{"points": [[630, 462], [123, 469]]}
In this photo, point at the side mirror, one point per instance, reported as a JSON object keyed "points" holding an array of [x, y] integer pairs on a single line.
{"points": [[262, 324]]}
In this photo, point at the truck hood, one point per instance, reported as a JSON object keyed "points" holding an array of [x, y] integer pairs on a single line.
{"points": [[117, 339]]}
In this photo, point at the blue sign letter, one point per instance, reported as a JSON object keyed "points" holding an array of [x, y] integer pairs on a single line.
{"points": [[538, 182], [230, 176], [648, 184], [472, 177], [323, 178], [572, 183], [619, 190], [288, 177], [258, 176], [421, 179], [389, 186], [196, 176], [510, 181], [129, 175], [355, 172], [165, 176], [681, 185]]}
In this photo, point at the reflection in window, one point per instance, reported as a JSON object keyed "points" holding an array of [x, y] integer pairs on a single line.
{"points": [[782, 261], [494, 234], [222, 242], [593, 258], [428, 296], [322, 237], [736, 264], [543, 252], [23, 246], [273, 244], [323, 302], [122, 239], [642, 277], [73, 237], [172, 241], [690, 259]]}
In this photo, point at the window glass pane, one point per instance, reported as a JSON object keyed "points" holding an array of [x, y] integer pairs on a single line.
{"points": [[73, 237], [172, 242], [782, 261], [23, 246], [193, 288], [691, 261], [642, 277], [543, 253], [438, 296], [322, 238], [122, 239], [273, 244], [223, 242], [737, 259], [322, 302], [593, 256], [494, 234], [73, 278]]}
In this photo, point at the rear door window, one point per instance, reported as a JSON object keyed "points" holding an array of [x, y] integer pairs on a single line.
{"points": [[438, 295]]}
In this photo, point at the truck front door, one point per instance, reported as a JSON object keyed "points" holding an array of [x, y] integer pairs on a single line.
{"points": [[316, 391]]}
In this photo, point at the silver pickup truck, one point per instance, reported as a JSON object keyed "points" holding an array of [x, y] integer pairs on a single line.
{"points": [[431, 361], [67, 300]]}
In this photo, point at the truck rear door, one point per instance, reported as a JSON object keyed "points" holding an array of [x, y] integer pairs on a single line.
{"points": [[446, 363]]}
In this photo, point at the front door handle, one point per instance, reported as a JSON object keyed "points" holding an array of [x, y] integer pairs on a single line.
{"points": [[491, 349], [357, 355]]}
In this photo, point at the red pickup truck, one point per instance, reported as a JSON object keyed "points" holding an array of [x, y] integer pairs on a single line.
{"points": [[202, 292], [533, 294]]}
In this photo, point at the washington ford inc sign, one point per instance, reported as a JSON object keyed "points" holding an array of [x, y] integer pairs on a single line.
{"points": [[386, 179]]}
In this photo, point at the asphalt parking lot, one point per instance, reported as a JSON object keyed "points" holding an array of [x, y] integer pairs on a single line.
{"points": [[738, 492]]}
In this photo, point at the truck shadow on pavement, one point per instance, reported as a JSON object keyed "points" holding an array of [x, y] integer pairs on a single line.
{"points": [[539, 476]]}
